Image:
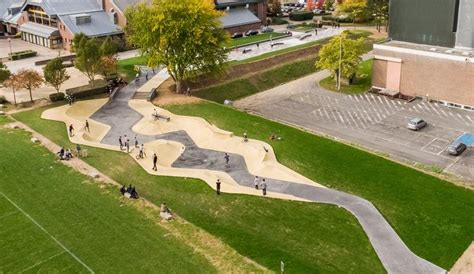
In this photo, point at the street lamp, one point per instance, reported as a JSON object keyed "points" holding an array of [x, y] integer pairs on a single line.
{"points": [[10, 43]]}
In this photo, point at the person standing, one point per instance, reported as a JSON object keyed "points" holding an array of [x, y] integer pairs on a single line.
{"points": [[127, 144], [120, 142], [218, 187], [256, 182], [71, 130], [87, 126], [142, 152], [263, 185], [155, 160], [227, 159], [136, 142], [78, 148]]}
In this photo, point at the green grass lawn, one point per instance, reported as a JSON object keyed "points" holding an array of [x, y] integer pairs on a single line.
{"points": [[433, 217], [256, 83], [254, 38], [362, 83], [308, 237], [126, 67], [92, 223]]}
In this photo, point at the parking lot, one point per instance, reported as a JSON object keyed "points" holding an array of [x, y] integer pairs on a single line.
{"points": [[372, 121]]}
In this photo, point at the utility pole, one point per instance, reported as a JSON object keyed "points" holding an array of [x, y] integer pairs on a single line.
{"points": [[340, 63]]}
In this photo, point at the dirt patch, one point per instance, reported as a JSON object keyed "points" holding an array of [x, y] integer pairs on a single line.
{"points": [[167, 95]]}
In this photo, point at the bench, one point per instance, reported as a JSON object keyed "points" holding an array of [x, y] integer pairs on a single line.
{"points": [[157, 117]]}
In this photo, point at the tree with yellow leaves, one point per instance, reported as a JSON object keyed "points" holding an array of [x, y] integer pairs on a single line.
{"points": [[186, 36]]}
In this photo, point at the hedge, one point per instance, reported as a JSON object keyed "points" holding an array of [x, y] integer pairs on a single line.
{"points": [[54, 97], [301, 15], [22, 54], [278, 21], [2, 99], [88, 90], [337, 19]]}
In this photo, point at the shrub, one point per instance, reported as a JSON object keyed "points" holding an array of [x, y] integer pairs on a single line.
{"points": [[88, 90], [278, 21], [54, 97], [301, 15], [22, 54], [2, 99], [337, 19]]}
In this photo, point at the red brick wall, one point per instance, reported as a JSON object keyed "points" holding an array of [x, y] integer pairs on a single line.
{"points": [[243, 28], [67, 36], [108, 5], [441, 79]]}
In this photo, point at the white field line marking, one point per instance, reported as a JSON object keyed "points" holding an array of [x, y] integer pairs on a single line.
{"points": [[42, 261], [8, 214], [432, 107], [441, 109], [47, 233], [469, 119]]}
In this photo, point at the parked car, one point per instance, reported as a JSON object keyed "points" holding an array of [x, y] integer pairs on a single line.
{"points": [[287, 32], [456, 149], [236, 35], [416, 124], [251, 32], [267, 29], [318, 11]]}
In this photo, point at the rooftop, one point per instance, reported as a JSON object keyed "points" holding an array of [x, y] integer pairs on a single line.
{"points": [[467, 53]]}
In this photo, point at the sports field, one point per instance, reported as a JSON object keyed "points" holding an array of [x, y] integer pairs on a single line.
{"points": [[53, 219]]}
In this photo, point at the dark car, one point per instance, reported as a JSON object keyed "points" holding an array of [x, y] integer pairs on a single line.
{"points": [[236, 35], [456, 149], [251, 32]]}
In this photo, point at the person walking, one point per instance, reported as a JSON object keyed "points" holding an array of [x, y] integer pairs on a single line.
{"points": [[136, 142], [78, 149], [155, 160], [142, 152], [127, 144], [218, 187], [227, 159], [86, 127], [256, 182], [315, 31], [71, 130], [263, 186], [120, 142]]}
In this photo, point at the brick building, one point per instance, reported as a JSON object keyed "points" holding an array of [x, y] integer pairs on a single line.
{"points": [[242, 15], [430, 54]]}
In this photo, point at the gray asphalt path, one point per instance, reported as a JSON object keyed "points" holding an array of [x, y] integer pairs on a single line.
{"points": [[392, 251]]}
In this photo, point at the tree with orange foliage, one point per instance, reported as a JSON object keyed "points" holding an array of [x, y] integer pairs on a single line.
{"points": [[29, 79]]}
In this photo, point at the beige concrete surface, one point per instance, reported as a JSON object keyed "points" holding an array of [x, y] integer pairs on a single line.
{"points": [[203, 134], [465, 264]]}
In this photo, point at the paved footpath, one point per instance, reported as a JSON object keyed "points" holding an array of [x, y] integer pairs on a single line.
{"points": [[392, 251]]}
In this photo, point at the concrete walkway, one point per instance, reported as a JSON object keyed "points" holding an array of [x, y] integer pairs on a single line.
{"points": [[393, 253]]}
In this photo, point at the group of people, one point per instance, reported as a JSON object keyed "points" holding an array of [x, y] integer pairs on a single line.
{"points": [[259, 183], [124, 143], [70, 99], [72, 130], [129, 192], [64, 154]]}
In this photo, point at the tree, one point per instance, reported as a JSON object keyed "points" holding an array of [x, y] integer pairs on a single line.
{"points": [[342, 52], [379, 10], [13, 83], [186, 36], [88, 56], [55, 73], [29, 79], [108, 61], [4, 72], [328, 4], [357, 9]]}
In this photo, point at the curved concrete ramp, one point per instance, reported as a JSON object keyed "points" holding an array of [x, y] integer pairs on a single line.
{"points": [[203, 158]]}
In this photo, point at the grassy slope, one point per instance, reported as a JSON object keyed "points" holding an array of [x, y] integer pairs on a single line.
{"points": [[126, 67], [307, 237], [247, 86], [92, 222], [254, 38], [362, 83], [432, 216]]}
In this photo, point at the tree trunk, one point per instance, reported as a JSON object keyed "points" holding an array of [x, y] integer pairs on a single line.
{"points": [[14, 97], [31, 96], [179, 84]]}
